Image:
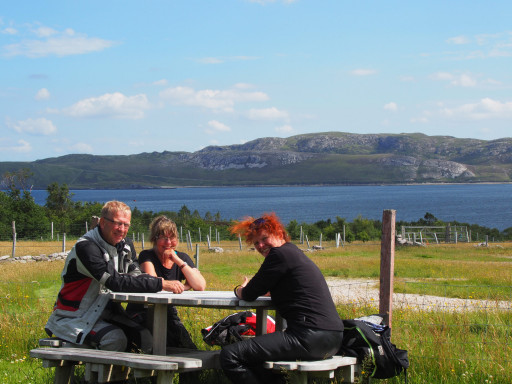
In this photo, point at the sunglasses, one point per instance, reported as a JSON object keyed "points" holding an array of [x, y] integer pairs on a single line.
{"points": [[257, 223]]}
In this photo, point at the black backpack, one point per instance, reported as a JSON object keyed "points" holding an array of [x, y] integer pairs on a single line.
{"points": [[231, 328], [371, 343]]}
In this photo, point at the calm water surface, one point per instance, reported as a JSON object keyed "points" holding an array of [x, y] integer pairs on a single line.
{"points": [[489, 205]]}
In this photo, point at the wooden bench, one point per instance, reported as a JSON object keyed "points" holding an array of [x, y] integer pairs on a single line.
{"points": [[299, 371], [104, 366]]}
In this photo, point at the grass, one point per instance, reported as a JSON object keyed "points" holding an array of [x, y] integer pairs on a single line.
{"points": [[444, 346]]}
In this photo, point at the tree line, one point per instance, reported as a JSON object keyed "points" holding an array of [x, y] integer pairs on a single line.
{"points": [[32, 221]]}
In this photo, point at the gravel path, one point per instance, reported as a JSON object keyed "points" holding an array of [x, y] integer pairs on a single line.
{"points": [[366, 292]]}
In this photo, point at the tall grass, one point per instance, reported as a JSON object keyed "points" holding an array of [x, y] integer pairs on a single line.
{"points": [[445, 346]]}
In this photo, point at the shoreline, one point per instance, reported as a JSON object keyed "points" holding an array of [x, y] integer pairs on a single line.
{"points": [[283, 185]]}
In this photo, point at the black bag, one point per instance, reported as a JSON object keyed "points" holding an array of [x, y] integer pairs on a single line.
{"points": [[371, 343], [231, 328]]}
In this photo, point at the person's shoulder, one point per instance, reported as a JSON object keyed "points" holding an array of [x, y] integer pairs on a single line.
{"points": [[146, 255], [185, 257], [87, 246]]}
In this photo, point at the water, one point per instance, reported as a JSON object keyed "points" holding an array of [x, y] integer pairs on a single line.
{"points": [[489, 205]]}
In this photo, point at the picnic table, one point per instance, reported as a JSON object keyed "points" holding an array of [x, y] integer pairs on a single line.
{"points": [[165, 362]]}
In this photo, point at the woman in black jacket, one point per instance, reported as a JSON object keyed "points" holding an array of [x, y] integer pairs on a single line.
{"points": [[301, 296]]}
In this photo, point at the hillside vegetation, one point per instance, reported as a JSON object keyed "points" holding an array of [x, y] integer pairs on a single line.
{"points": [[322, 158]]}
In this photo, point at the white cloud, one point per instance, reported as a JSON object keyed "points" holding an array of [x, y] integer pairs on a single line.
{"points": [[46, 41], [9, 31], [81, 148], [485, 109], [21, 147], [222, 100], [419, 120], [45, 32], [284, 129], [161, 82], [363, 72], [40, 126], [114, 105], [392, 106], [267, 114], [42, 94], [210, 60], [456, 80], [218, 126], [458, 40]]}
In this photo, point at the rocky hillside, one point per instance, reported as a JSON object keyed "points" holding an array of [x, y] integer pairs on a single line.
{"points": [[324, 158]]}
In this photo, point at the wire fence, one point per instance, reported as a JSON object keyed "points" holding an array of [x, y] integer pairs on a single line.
{"points": [[438, 327]]}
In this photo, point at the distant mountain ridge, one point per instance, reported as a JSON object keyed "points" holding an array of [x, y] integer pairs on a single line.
{"points": [[320, 158]]}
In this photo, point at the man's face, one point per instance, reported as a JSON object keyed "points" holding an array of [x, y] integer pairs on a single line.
{"points": [[115, 228]]}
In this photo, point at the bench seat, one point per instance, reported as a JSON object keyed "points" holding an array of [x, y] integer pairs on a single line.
{"points": [[100, 364], [300, 370]]}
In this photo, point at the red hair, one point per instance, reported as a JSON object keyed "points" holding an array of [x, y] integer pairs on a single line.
{"points": [[250, 228]]}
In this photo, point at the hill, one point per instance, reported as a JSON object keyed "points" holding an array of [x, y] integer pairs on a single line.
{"points": [[320, 158]]}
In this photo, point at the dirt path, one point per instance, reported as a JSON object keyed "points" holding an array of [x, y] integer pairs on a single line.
{"points": [[365, 291]]}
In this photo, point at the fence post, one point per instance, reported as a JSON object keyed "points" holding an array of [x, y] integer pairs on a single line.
{"points": [[197, 256], [64, 242], [13, 242], [52, 230], [143, 240], [240, 241], [320, 240], [387, 264]]}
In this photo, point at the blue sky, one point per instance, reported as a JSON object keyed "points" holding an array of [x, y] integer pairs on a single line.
{"points": [[126, 77]]}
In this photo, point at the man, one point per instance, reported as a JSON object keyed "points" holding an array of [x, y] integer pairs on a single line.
{"points": [[102, 260]]}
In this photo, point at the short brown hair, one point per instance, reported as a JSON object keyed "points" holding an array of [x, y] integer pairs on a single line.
{"points": [[162, 225], [112, 207]]}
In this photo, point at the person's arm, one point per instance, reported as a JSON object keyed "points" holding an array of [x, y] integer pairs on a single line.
{"points": [[92, 263], [194, 279], [270, 272], [173, 286]]}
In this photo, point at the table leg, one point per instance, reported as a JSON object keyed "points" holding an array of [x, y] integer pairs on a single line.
{"points": [[280, 322], [261, 321], [160, 329]]}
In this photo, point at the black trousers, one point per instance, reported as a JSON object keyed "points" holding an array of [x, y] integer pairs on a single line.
{"points": [[242, 362]]}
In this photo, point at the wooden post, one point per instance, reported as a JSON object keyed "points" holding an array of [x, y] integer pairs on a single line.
{"points": [[320, 239], [307, 241], [143, 240], [64, 242], [208, 241], [387, 264], [199, 230], [14, 245], [240, 242], [52, 230], [197, 256]]}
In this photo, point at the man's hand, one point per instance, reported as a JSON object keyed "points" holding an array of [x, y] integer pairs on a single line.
{"points": [[173, 286]]}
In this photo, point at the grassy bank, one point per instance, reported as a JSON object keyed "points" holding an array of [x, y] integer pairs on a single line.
{"points": [[444, 346]]}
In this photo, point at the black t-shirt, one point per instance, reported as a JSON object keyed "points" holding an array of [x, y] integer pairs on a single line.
{"points": [[173, 273], [297, 287]]}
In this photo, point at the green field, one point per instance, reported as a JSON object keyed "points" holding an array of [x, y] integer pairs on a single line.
{"points": [[472, 345]]}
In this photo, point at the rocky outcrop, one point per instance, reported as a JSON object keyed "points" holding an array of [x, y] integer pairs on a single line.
{"points": [[322, 158], [32, 259]]}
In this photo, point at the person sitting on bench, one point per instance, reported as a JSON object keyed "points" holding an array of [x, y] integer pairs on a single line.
{"points": [[299, 293]]}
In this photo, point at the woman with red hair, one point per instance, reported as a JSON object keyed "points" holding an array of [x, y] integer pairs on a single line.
{"points": [[299, 293]]}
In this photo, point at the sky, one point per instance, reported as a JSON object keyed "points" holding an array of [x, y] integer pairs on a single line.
{"points": [[116, 77]]}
